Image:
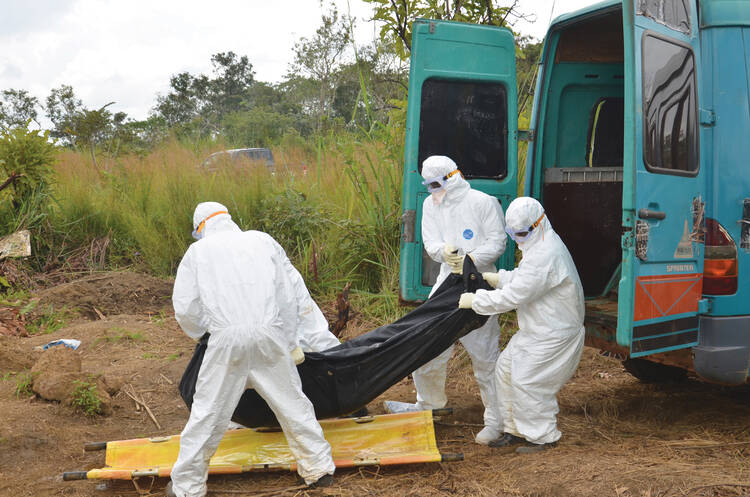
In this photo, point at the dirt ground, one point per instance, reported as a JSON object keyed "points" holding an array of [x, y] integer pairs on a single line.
{"points": [[620, 437]]}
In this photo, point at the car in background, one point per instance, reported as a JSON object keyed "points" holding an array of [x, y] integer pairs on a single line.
{"points": [[240, 156]]}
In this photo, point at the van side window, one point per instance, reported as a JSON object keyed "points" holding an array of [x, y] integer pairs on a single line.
{"points": [[672, 13], [670, 125], [468, 122]]}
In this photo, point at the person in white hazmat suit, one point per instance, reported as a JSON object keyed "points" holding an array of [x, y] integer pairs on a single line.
{"points": [[238, 286], [544, 353], [458, 221]]}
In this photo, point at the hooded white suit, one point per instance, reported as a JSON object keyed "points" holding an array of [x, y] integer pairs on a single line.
{"points": [[237, 286], [471, 221], [545, 351]]}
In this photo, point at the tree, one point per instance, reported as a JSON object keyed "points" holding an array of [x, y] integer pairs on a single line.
{"points": [[528, 52], [234, 77], [200, 103], [319, 59], [397, 16], [17, 108], [62, 107], [92, 127]]}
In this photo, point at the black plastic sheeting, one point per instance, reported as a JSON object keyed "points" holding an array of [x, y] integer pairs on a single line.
{"points": [[343, 379]]}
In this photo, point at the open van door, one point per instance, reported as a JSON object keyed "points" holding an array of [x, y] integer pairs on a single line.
{"points": [[462, 104], [663, 183]]}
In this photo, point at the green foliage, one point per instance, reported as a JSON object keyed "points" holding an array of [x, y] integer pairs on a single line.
{"points": [[259, 127], [318, 58], [86, 398], [28, 156], [62, 107], [17, 109], [198, 104], [290, 219], [397, 17], [45, 320], [120, 335], [159, 319], [24, 382]]}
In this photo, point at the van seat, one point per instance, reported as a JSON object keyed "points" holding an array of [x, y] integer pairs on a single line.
{"points": [[606, 133]]}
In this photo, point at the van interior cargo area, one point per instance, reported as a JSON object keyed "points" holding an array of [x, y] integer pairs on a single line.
{"points": [[582, 155]]}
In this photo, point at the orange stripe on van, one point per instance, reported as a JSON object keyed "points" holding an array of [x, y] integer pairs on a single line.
{"points": [[667, 295]]}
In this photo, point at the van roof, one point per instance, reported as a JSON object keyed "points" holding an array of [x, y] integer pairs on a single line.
{"points": [[584, 11], [724, 13]]}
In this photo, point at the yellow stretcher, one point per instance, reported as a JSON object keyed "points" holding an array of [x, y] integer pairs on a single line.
{"points": [[370, 440]]}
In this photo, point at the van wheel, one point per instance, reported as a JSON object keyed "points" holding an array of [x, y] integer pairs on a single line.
{"points": [[653, 372]]}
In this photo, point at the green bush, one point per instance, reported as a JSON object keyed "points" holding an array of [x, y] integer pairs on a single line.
{"points": [[30, 156], [24, 381], [85, 397], [290, 219]]}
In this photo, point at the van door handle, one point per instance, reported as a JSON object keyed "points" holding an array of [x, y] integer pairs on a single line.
{"points": [[649, 214]]}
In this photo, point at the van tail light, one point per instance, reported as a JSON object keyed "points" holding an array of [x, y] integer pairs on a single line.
{"points": [[720, 262]]}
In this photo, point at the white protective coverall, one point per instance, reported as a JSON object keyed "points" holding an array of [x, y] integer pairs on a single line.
{"points": [[473, 222], [236, 286], [544, 353]]}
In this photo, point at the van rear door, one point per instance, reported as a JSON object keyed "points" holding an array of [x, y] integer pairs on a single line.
{"points": [[663, 187], [462, 104]]}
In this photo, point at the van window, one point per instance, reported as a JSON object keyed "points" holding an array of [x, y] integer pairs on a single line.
{"points": [[672, 13], [468, 122], [670, 125]]}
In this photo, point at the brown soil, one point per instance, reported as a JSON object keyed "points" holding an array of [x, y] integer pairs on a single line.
{"points": [[620, 437], [109, 293]]}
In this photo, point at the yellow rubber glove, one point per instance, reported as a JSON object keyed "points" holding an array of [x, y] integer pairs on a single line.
{"points": [[450, 253], [465, 301], [298, 356], [453, 259], [492, 279]]}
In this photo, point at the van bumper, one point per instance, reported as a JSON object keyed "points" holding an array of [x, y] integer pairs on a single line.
{"points": [[723, 353]]}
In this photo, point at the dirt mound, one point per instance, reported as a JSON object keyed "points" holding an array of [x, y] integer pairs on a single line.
{"points": [[15, 355], [110, 293], [58, 376]]}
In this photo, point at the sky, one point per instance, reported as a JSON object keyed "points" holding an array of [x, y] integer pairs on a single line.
{"points": [[126, 51]]}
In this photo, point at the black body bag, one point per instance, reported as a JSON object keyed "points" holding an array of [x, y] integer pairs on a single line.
{"points": [[343, 379]]}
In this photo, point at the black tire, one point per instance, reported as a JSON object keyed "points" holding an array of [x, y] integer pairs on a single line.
{"points": [[653, 372]]}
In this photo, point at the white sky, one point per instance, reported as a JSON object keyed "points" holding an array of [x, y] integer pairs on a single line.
{"points": [[126, 51]]}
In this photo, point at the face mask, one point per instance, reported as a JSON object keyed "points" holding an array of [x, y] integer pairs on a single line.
{"points": [[438, 182], [198, 232], [438, 196], [521, 235]]}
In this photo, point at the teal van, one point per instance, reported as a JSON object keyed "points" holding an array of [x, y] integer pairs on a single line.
{"points": [[639, 150]]}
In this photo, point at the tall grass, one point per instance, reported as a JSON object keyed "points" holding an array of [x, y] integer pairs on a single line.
{"points": [[333, 205]]}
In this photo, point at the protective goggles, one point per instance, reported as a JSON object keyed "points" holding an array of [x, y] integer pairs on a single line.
{"points": [[198, 232], [521, 235], [438, 182]]}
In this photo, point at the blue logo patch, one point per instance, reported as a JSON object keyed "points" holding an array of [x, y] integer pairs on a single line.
{"points": [[468, 234]]}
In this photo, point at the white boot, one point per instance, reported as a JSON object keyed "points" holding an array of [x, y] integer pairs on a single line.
{"points": [[487, 435], [396, 407]]}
